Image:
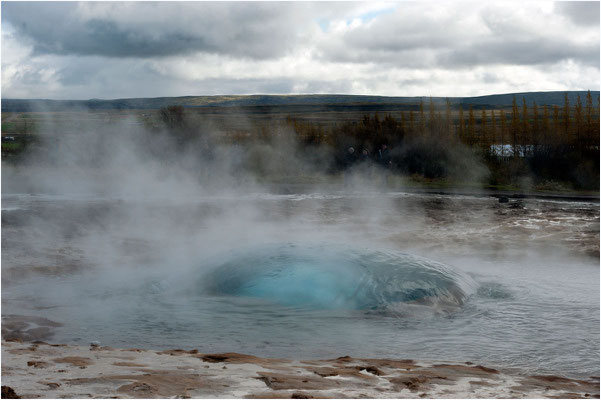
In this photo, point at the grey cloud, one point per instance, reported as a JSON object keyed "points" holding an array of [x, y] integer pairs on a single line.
{"points": [[580, 12], [273, 85], [105, 38], [393, 36], [521, 52], [321, 86], [256, 30], [489, 78], [30, 77], [407, 41], [407, 58], [139, 78], [111, 50]]}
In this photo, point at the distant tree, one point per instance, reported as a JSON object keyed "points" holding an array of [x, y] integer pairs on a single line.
{"points": [[461, 123], [376, 123], [493, 127], [514, 126], [172, 116], [526, 139], [578, 122], [448, 130], [589, 117], [483, 130], [403, 122], [535, 124], [366, 120], [471, 126], [597, 123], [546, 127], [503, 131], [565, 116], [178, 126], [422, 119], [431, 116], [411, 123], [556, 134]]}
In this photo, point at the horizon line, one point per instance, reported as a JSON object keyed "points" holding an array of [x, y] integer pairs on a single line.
{"points": [[300, 95]]}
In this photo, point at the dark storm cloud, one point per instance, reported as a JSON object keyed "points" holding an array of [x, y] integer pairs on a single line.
{"points": [[106, 38], [580, 12], [255, 30]]}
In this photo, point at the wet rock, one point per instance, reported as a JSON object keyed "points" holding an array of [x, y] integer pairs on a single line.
{"points": [[27, 328], [75, 361], [51, 385], [138, 389], [287, 395], [386, 363], [101, 348], [558, 383], [129, 364], [178, 352], [162, 384], [413, 383], [371, 370], [346, 371], [551, 378], [481, 383], [503, 199], [471, 370], [301, 395], [277, 381], [516, 204], [235, 358], [37, 364], [9, 393]]}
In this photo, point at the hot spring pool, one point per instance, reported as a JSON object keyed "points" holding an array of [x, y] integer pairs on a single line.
{"points": [[480, 301]]}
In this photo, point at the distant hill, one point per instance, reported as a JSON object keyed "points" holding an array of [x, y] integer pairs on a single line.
{"points": [[333, 101]]}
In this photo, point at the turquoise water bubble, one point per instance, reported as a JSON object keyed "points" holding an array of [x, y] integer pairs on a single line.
{"points": [[336, 277]]}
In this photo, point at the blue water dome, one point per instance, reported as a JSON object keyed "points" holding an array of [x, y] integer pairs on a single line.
{"points": [[337, 277]]}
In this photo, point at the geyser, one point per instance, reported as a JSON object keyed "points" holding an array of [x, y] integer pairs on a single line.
{"points": [[337, 277]]}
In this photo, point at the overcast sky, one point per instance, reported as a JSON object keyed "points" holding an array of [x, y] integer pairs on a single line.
{"points": [[134, 49]]}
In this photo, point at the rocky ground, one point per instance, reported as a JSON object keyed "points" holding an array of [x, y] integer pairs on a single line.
{"points": [[41, 370]]}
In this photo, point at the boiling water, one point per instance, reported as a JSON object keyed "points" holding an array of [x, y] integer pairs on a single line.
{"points": [[314, 276], [335, 277]]}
